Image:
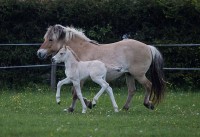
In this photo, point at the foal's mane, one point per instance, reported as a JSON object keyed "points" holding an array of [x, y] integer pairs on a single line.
{"points": [[73, 53]]}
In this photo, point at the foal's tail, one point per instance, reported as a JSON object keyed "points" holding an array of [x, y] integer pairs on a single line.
{"points": [[157, 76]]}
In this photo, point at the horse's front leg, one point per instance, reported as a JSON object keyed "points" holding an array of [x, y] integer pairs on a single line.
{"points": [[75, 97], [59, 85]]}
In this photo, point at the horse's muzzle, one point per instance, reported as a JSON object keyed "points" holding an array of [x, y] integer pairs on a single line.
{"points": [[42, 54]]}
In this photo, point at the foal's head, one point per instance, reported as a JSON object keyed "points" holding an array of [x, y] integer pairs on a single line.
{"points": [[63, 54]]}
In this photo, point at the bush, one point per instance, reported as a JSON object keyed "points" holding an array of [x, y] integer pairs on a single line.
{"points": [[152, 22]]}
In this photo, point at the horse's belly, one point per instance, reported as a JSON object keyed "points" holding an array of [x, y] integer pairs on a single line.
{"points": [[112, 75]]}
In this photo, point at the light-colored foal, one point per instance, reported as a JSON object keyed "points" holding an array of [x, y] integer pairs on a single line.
{"points": [[77, 70]]}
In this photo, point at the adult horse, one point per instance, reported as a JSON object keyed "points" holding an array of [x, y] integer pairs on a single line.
{"points": [[131, 57]]}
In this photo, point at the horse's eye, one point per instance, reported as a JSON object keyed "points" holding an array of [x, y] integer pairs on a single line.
{"points": [[61, 54], [50, 40]]}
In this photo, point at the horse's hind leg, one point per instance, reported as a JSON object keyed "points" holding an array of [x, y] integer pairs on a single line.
{"points": [[147, 85], [130, 81]]}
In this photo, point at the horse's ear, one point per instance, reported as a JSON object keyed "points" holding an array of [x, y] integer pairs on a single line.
{"points": [[61, 33], [66, 47], [50, 27]]}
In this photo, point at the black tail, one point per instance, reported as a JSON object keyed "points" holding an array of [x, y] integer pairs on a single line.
{"points": [[157, 77]]}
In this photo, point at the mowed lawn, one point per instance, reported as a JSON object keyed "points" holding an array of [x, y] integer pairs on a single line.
{"points": [[33, 112]]}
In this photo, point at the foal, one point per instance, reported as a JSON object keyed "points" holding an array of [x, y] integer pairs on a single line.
{"points": [[77, 70]]}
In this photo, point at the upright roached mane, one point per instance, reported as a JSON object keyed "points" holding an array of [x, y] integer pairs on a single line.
{"points": [[68, 33], [134, 58]]}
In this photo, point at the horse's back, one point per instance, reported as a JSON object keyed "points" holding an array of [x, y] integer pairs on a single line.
{"points": [[130, 54]]}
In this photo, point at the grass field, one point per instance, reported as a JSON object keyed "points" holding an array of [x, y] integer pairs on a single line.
{"points": [[33, 112]]}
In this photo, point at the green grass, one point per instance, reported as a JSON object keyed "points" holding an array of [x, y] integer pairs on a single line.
{"points": [[33, 112]]}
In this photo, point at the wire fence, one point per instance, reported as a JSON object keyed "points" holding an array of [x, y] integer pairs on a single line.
{"points": [[53, 66], [49, 65]]}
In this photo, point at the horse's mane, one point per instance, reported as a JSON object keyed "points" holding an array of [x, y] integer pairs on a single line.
{"points": [[73, 53], [58, 31], [72, 32]]}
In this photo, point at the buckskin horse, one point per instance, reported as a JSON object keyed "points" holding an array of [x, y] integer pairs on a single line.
{"points": [[130, 56]]}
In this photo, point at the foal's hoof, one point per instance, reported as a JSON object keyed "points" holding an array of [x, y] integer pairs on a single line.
{"points": [[125, 108], [116, 110], [149, 106], [68, 110], [93, 105], [58, 103]]}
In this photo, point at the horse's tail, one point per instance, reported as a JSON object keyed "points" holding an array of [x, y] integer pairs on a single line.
{"points": [[157, 76]]}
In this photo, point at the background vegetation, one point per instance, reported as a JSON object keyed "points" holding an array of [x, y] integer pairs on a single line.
{"points": [[149, 21]]}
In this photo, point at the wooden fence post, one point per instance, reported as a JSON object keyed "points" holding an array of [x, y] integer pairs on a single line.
{"points": [[53, 76]]}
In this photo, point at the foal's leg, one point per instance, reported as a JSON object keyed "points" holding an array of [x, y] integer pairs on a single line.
{"points": [[75, 97], [77, 87], [110, 93], [147, 85], [104, 85], [130, 81], [60, 83]]}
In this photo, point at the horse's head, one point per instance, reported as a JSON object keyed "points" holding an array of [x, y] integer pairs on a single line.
{"points": [[53, 41]]}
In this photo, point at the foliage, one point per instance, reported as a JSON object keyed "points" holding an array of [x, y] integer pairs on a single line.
{"points": [[152, 22]]}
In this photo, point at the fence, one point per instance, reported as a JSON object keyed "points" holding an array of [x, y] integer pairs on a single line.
{"points": [[54, 66]]}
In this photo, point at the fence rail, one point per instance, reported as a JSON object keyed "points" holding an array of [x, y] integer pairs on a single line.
{"points": [[53, 66]]}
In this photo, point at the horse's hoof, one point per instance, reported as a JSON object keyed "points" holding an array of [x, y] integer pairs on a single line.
{"points": [[70, 109], [149, 106], [152, 107], [58, 103], [125, 108], [89, 105]]}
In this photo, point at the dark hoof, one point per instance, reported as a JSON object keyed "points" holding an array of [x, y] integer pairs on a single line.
{"points": [[152, 107], [88, 103], [93, 105], [58, 103], [125, 108], [70, 110], [149, 106]]}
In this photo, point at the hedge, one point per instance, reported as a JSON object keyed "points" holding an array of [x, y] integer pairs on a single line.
{"points": [[149, 21]]}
